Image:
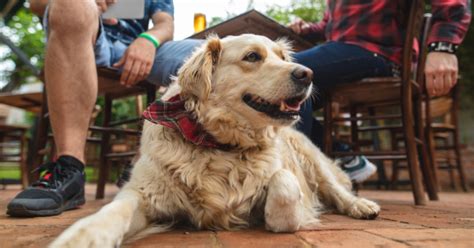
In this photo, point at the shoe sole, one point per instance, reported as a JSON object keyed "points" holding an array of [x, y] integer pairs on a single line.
{"points": [[76, 201]]}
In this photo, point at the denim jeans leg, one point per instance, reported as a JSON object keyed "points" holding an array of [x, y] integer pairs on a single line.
{"points": [[335, 63], [169, 58]]}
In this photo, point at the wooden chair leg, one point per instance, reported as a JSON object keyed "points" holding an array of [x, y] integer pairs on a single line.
{"points": [[328, 125], [395, 175], [395, 163], [452, 178], [381, 174], [430, 146], [457, 148], [104, 150], [459, 165], [424, 156], [451, 167], [355, 141], [23, 166], [411, 150], [428, 177], [354, 128]]}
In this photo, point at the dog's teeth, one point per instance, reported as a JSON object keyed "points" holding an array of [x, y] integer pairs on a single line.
{"points": [[283, 106]]}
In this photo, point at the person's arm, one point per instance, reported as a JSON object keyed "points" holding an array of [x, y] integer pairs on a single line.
{"points": [[316, 31], [313, 32], [450, 20], [137, 61], [38, 7]]}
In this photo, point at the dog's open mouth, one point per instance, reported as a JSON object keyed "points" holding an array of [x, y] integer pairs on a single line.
{"points": [[285, 109]]}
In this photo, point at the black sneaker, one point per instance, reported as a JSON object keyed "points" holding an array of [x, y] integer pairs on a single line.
{"points": [[60, 188]]}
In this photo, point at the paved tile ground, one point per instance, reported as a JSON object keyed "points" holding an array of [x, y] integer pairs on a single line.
{"points": [[447, 223]]}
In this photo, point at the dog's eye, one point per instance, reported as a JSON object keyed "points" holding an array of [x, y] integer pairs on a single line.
{"points": [[252, 57]]}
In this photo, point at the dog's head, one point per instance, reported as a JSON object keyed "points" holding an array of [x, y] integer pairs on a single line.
{"points": [[246, 78]]}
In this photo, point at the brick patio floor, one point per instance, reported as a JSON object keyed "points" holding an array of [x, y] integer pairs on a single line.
{"points": [[447, 223]]}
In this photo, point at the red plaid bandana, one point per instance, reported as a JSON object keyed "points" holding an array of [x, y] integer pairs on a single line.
{"points": [[172, 114]]}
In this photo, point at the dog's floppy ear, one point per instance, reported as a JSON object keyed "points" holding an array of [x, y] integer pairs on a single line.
{"points": [[195, 75]]}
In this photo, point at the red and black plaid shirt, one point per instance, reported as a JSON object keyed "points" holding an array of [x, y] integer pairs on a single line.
{"points": [[377, 25]]}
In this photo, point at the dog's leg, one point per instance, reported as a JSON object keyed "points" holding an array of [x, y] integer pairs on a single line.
{"points": [[107, 227], [284, 208], [327, 179], [333, 189]]}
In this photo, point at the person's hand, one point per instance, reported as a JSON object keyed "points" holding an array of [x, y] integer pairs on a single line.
{"points": [[298, 26], [103, 5], [136, 62], [441, 73]]}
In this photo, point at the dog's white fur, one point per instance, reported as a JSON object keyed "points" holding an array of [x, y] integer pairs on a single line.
{"points": [[273, 173]]}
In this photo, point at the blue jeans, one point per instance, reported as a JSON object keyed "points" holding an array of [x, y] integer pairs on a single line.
{"points": [[335, 63]]}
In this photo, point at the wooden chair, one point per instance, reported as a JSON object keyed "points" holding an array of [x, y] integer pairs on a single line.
{"points": [[12, 149], [404, 92], [442, 126], [110, 88]]}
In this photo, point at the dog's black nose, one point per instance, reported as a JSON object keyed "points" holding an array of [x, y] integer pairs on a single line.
{"points": [[302, 75]]}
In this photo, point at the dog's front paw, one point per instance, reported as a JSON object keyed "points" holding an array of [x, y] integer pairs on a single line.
{"points": [[86, 234], [364, 209], [284, 208]]}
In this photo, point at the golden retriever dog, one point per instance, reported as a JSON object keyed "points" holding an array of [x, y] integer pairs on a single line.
{"points": [[245, 92]]}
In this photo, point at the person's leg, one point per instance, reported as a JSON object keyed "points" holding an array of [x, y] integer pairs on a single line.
{"points": [[334, 63], [71, 77], [169, 58], [71, 83]]}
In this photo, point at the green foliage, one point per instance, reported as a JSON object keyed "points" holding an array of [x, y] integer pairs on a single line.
{"points": [[9, 171], [25, 31], [122, 109], [216, 20], [13, 172], [308, 10]]}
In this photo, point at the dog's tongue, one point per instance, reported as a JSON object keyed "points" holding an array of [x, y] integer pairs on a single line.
{"points": [[285, 107]]}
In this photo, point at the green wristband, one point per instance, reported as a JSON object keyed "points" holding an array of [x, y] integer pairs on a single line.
{"points": [[151, 38]]}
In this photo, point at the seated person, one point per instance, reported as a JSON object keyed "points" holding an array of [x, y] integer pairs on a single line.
{"points": [[366, 40], [78, 40]]}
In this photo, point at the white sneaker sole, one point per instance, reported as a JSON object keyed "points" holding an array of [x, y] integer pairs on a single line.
{"points": [[362, 175]]}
